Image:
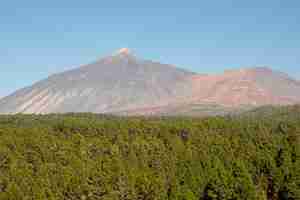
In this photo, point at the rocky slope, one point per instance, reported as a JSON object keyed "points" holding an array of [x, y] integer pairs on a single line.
{"points": [[124, 84], [112, 84]]}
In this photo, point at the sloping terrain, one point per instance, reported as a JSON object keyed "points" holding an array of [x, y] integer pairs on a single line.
{"points": [[114, 83], [254, 86], [124, 84]]}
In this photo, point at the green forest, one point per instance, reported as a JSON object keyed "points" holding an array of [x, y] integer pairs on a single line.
{"points": [[254, 155]]}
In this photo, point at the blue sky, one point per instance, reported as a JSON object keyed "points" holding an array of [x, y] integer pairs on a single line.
{"points": [[38, 38]]}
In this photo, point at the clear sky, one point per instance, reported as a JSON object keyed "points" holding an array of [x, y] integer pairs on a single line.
{"points": [[38, 38]]}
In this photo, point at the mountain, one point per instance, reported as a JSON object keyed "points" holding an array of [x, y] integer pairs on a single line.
{"points": [[124, 84], [255, 86], [112, 84]]}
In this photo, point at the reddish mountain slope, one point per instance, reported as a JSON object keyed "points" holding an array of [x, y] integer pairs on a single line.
{"points": [[256, 86]]}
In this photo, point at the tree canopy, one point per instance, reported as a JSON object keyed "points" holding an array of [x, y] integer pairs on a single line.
{"points": [[94, 157]]}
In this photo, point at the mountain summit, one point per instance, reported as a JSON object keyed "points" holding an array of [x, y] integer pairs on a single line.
{"points": [[124, 83], [124, 51], [112, 84]]}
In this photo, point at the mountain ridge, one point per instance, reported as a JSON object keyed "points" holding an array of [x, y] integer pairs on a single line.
{"points": [[122, 81]]}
